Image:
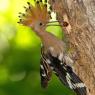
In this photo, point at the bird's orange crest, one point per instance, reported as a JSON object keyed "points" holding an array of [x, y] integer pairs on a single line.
{"points": [[37, 17], [35, 14]]}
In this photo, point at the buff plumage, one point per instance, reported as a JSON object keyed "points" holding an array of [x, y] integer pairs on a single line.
{"points": [[54, 57]]}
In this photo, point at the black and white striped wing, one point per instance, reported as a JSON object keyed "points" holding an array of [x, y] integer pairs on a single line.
{"points": [[64, 72], [45, 71], [67, 75]]}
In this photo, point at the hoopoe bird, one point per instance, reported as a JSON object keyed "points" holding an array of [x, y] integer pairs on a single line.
{"points": [[54, 57]]}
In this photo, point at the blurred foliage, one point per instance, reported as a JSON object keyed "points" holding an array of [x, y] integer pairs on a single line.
{"points": [[20, 55]]}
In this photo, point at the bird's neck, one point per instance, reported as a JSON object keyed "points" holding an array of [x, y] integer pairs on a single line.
{"points": [[49, 40], [44, 35]]}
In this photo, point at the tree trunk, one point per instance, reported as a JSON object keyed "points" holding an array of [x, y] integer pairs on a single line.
{"points": [[80, 14]]}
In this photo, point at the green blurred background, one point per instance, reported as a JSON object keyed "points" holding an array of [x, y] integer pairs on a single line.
{"points": [[20, 55]]}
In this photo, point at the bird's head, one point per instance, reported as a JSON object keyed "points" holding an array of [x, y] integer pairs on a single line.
{"points": [[35, 17]]}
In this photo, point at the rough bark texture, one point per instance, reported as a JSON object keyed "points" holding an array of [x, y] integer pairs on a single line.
{"points": [[80, 14]]}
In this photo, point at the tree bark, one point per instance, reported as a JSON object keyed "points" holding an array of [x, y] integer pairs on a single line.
{"points": [[80, 14]]}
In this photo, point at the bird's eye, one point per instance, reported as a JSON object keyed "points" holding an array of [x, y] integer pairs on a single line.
{"points": [[40, 23]]}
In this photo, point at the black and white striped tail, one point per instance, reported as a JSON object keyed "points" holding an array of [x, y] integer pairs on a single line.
{"points": [[64, 73]]}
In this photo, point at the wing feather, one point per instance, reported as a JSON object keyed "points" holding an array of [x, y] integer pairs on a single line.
{"points": [[45, 70], [64, 72], [67, 76]]}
